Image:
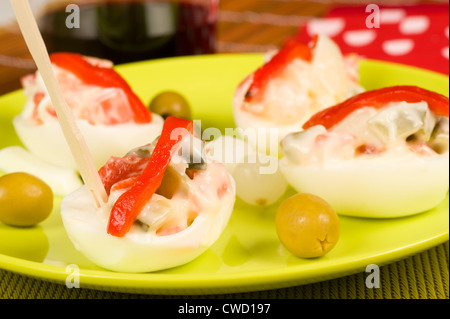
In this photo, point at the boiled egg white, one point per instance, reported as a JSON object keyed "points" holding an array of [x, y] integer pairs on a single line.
{"points": [[258, 179], [380, 189], [62, 181], [47, 140], [146, 249]]}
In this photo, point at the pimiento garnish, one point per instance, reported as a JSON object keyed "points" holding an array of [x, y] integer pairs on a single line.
{"points": [[100, 76], [437, 103], [129, 204], [120, 169], [291, 50]]}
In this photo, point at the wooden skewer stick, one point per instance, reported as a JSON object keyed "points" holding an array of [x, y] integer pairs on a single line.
{"points": [[74, 138]]}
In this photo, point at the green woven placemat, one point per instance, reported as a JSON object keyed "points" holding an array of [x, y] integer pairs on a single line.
{"points": [[421, 276]]}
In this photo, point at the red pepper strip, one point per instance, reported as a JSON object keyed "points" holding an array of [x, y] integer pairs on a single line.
{"points": [[329, 117], [130, 204], [118, 169], [291, 50], [100, 76]]}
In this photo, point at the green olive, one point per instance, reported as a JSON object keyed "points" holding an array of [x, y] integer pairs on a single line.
{"points": [[170, 103], [25, 200], [307, 225]]}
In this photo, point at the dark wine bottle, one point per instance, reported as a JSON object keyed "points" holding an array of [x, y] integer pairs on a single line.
{"points": [[128, 31]]}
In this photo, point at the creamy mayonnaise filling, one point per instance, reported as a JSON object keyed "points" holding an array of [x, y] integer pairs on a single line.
{"points": [[395, 132]]}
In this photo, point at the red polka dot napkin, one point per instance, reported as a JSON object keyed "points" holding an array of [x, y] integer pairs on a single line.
{"points": [[413, 35]]}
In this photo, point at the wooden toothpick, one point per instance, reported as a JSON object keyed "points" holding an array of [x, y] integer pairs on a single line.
{"points": [[74, 138]]}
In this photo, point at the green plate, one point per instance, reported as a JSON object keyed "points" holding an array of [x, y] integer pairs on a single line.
{"points": [[248, 256]]}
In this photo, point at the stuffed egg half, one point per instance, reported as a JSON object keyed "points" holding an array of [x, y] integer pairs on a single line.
{"points": [[293, 84], [383, 153], [108, 114], [184, 216]]}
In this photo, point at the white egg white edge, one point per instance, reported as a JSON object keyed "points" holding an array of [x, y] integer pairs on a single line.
{"points": [[258, 132], [139, 252], [61, 180], [374, 190], [47, 140]]}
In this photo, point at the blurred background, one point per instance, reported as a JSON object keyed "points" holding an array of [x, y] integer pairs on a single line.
{"points": [[124, 30]]}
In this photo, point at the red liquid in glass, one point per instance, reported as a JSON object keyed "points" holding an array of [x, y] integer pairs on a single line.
{"points": [[132, 30]]}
